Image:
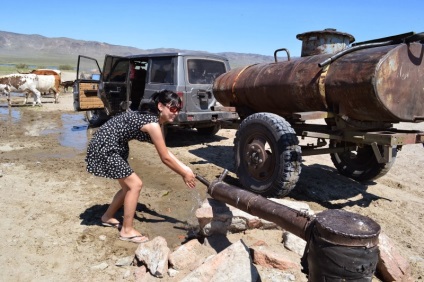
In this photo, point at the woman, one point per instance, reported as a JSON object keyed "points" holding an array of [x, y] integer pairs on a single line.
{"points": [[107, 156]]}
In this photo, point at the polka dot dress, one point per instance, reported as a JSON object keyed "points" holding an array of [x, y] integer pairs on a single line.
{"points": [[108, 151]]}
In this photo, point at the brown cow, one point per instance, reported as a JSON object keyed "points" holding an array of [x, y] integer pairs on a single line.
{"points": [[66, 84]]}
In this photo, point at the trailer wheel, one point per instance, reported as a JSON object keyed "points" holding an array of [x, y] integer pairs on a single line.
{"points": [[267, 155], [360, 164]]}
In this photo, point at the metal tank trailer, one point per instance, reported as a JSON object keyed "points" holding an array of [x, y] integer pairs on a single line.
{"points": [[360, 90], [341, 245]]}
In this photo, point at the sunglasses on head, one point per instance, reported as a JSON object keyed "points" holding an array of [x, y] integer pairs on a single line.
{"points": [[173, 109]]}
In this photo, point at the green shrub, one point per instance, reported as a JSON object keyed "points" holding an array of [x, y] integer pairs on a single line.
{"points": [[66, 67], [21, 66]]}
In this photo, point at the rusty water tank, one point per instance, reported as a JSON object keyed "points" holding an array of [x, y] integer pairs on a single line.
{"points": [[327, 41], [381, 84]]}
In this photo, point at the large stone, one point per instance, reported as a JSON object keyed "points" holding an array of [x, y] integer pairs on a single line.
{"points": [[264, 256], [391, 265], [190, 255], [154, 254], [294, 243], [232, 264]]}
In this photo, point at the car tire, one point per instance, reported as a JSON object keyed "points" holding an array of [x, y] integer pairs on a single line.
{"points": [[96, 117], [209, 131]]}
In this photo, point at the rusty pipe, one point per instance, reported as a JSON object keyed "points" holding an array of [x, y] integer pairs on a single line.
{"points": [[294, 221]]}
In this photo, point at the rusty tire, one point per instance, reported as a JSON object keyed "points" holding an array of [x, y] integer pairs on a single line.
{"points": [[267, 155], [360, 164]]}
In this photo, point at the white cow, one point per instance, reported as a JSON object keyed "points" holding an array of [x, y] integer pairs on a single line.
{"points": [[47, 84], [28, 83]]}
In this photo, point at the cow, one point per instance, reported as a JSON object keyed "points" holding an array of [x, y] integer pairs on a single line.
{"points": [[48, 84], [28, 83], [66, 84], [56, 73]]}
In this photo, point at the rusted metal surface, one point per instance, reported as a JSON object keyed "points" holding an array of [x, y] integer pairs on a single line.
{"points": [[347, 229], [327, 41], [292, 220], [336, 226], [377, 84]]}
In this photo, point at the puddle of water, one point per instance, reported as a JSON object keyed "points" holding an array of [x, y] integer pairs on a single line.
{"points": [[8, 114], [74, 132]]}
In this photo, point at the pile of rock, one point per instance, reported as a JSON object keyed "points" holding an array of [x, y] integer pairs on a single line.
{"points": [[217, 259]]}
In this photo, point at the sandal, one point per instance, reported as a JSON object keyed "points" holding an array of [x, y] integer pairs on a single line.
{"points": [[135, 239]]}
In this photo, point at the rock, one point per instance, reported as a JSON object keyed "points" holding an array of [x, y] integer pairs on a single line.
{"points": [[155, 255], [101, 266], [232, 264], [264, 256], [140, 274], [172, 272], [391, 265], [189, 256], [294, 243], [217, 242], [126, 261]]}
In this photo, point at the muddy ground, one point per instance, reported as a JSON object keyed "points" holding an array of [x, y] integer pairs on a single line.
{"points": [[50, 206]]}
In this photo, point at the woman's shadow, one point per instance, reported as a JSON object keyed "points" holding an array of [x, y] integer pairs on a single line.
{"points": [[92, 215]]}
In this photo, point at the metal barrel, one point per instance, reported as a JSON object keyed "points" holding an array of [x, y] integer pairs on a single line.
{"points": [[292, 220], [342, 245], [376, 84]]}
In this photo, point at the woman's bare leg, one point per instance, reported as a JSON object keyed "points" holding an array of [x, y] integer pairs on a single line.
{"points": [[131, 186], [117, 203]]}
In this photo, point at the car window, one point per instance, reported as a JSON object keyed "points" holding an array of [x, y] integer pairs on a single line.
{"points": [[202, 71], [162, 70], [119, 71]]}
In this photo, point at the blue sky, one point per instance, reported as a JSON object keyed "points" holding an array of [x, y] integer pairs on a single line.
{"points": [[257, 27]]}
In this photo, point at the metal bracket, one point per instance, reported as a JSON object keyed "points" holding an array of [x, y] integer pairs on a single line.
{"points": [[387, 155]]}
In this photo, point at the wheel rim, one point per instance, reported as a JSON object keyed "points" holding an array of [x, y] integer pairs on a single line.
{"points": [[259, 159]]}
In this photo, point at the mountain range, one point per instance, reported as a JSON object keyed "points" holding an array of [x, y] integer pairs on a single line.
{"points": [[34, 49]]}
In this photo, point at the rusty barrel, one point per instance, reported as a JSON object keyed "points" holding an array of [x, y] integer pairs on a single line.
{"points": [[376, 84], [342, 245]]}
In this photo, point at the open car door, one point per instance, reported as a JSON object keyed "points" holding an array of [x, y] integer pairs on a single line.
{"points": [[115, 87], [87, 85]]}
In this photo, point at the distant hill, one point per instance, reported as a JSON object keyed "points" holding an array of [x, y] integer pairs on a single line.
{"points": [[34, 49]]}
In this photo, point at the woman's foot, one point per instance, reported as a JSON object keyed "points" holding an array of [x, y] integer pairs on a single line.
{"points": [[110, 222], [135, 239]]}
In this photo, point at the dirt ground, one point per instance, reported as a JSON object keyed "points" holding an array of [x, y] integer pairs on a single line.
{"points": [[51, 206]]}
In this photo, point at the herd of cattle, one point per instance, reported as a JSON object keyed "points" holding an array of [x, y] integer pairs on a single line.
{"points": [[37, 82]]}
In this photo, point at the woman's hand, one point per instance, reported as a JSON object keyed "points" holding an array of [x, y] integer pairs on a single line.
{"points": [[189, 178]]}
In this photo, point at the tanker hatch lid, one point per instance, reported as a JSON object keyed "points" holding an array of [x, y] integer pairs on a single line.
{"points": [[327, 41], [327, 31]]}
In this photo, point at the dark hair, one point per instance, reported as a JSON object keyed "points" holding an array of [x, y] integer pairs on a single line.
{"points": [[165, 97]]}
